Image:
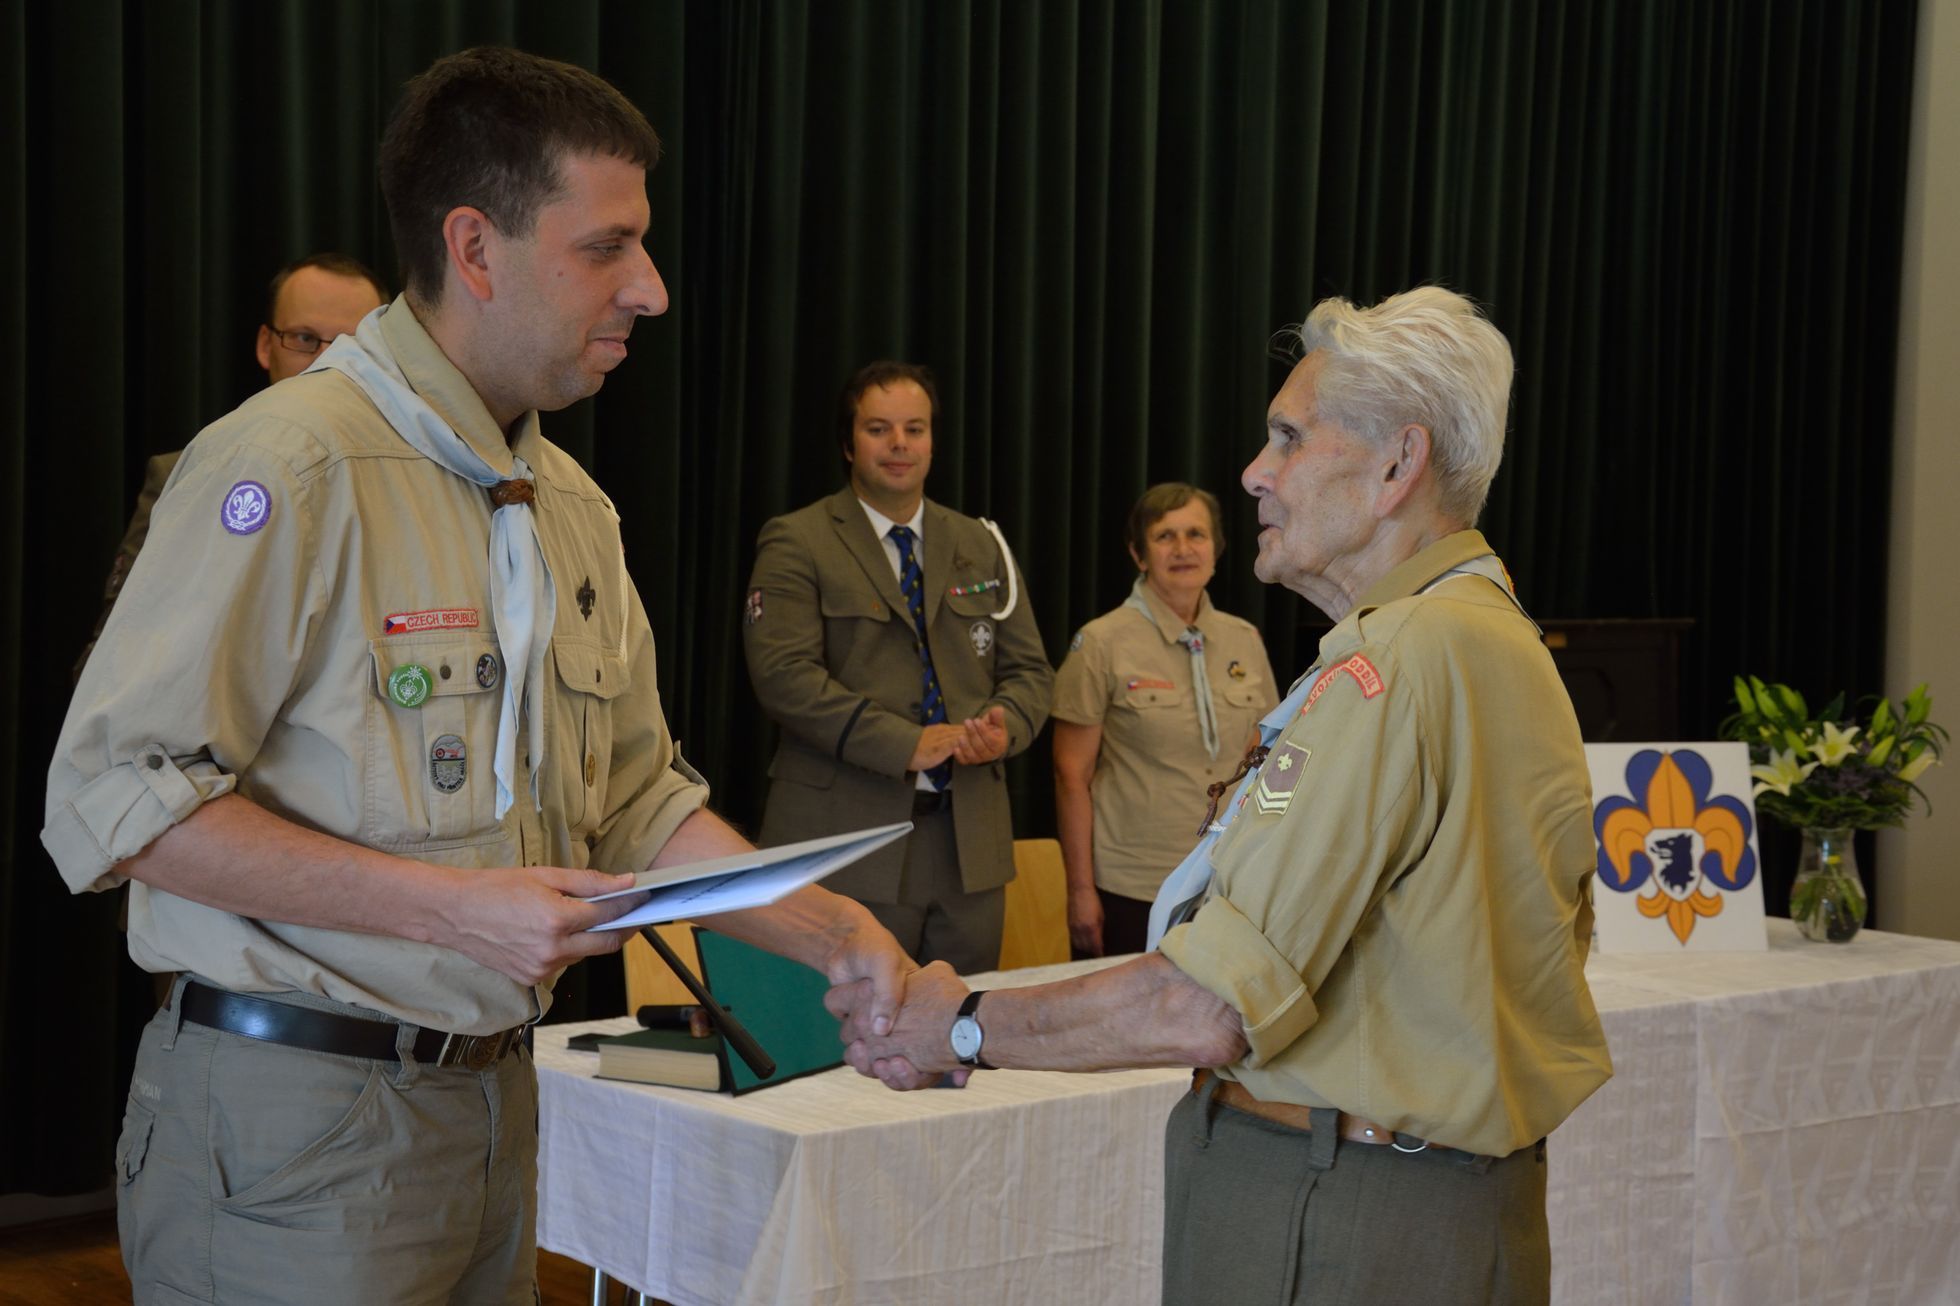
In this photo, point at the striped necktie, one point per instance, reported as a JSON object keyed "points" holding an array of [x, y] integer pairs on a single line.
{"points": [[932, 704]]}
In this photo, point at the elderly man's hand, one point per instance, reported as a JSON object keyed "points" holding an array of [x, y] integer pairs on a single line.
{"points": [[917, 1052]]}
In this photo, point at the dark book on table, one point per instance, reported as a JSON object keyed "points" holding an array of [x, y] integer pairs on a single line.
{"points": [[779, 1000], [663, 1056]]}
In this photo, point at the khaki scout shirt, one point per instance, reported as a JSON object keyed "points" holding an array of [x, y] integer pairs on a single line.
{"points": [[259, 661], [1130, 676], [1400, 907]]}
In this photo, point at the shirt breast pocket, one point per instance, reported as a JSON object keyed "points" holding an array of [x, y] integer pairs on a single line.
{"points": [[854, 625], [1152, 698], [589, 678], [432, 739], [1161, 717], [974, 614], [1239, 709]]}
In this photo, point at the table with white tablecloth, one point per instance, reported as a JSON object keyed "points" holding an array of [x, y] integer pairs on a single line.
{"points": [[1781, 1126]]}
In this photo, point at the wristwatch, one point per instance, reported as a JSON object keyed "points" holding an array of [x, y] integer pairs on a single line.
{"points": [[967, 1036]]}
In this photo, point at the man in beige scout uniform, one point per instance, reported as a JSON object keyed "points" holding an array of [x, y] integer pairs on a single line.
{"points": [[1386, 971], [890, 639], [312, 301], [375, 711]]}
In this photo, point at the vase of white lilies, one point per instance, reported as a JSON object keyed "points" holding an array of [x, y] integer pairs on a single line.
{"points": [[1829, 777]]}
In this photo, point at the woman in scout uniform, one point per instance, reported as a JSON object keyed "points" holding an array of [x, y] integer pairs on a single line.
{"points": [[1156, 701]]}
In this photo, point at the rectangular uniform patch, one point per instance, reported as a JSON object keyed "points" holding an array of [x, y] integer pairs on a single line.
{"points": [[1359, 667], [403, 623], [1145, 682]]}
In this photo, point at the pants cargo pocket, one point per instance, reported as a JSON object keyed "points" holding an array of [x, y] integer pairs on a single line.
{"points": [[147, 1213], [134, 1144]]}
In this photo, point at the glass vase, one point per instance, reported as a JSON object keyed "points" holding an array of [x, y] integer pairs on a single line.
{"points": [[1828, 901]]}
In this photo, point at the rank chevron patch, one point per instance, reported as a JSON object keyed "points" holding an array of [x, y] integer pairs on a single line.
{"points": [[1279, 777]]}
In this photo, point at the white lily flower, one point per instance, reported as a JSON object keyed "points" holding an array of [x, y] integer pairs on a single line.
{"points": [[1836, 744], [1917, 766], [1780, 773]]}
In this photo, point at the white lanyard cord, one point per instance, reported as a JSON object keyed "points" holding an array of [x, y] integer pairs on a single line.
{"points": [[1007, 556]]}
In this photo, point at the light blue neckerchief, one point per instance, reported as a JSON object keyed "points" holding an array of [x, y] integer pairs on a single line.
{"points": [[1191, 881], [523, 598], [1193, 641], [1192, 878]]}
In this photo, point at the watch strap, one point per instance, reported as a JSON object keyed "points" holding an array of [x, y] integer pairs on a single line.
{"points": [[970, 1010]]}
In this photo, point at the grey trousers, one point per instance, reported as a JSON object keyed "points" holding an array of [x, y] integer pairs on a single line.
{"points": [[252, 1172], [1256, 1212], [935, 918]]}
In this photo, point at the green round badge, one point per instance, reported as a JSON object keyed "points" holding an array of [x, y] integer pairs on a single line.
{"points": [[409, 684]]}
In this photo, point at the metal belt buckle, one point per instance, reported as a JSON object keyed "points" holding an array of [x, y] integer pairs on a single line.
{"points": [[1395, 1141], [472, 1051]]}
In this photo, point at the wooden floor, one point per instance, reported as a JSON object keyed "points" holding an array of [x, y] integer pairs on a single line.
{"points": [[77, 1263]]}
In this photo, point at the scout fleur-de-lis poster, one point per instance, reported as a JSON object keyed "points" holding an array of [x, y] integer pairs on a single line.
{"points": [[1675, 832]]}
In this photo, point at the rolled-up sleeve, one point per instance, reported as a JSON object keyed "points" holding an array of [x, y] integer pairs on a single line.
{"points": [[1302, 864], [195, 662], [106, 820], [1226, 954]]}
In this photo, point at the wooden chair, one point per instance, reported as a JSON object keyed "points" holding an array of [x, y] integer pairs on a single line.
{"points": [[1035, 932], [649, 982]]}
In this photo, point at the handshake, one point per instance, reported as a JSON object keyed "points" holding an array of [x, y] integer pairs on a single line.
{"points": [[896, 1018], [909, 1046]]}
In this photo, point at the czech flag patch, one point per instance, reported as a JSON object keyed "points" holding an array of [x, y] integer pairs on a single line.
{"points": [[404, 623]]}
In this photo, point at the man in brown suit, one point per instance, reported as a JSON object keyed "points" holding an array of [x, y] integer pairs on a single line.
{"points": [[889, 637]]}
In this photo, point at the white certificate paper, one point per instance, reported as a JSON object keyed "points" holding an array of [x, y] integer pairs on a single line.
{"points": [[751, 879]]}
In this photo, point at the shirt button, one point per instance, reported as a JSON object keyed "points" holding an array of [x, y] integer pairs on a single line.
{"points": [[443, 671], [591, 769], [154, 761]]}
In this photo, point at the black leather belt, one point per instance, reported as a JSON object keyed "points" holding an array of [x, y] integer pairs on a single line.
{"points": [[329, 1031], [925, 801]]}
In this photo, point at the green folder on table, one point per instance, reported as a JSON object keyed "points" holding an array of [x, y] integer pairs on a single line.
{"points": [[779, 1001]]}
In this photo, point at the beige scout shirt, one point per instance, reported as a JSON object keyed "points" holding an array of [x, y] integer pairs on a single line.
{"points": [[260, 662], [1130, 676], [1400, 908]]}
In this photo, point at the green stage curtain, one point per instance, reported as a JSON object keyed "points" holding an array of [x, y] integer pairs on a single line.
{"points": [[1090, 217]]}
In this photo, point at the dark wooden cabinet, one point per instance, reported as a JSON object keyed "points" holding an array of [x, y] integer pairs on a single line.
{"points": [[1624, 675]]}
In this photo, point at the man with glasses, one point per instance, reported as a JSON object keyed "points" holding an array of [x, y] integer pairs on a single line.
{"points": [[308, 304]]}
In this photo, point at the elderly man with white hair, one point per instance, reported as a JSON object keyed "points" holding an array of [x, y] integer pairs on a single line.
{"points": [[1375, 954]]}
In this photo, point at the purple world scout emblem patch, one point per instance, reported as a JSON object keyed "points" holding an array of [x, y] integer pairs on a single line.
{"points": [[246, 507]]}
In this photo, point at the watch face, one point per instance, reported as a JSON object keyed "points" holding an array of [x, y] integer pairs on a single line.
{"points": [[966, 1038]]}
